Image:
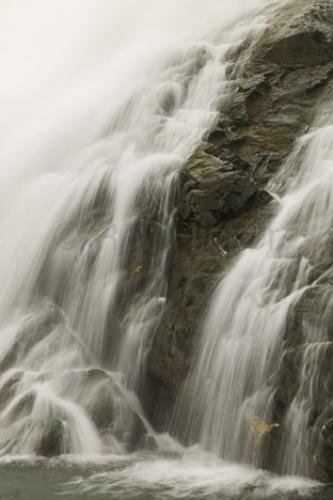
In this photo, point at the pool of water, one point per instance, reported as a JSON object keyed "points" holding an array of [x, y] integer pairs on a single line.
{"points": [[148, 477]]}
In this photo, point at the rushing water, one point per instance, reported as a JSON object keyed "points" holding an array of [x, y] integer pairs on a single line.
{"points": [[88, 185], [242, 343], [101, 103]]}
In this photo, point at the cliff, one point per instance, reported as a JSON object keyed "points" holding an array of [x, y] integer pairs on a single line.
{"points": [[223, 208]]}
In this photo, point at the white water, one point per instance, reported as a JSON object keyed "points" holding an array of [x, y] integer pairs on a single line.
{"points": [[194, 475], [242, 343], [101, 104]]}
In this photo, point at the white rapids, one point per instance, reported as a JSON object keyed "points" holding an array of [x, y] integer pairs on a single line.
{"points": [[242, 342], [101, 103]]}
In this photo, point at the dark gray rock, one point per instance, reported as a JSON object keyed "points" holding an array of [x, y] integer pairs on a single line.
{"points": [[54, 441], [311, 390], [324, 451], [300, 48], [223, 207], [214, 189]]}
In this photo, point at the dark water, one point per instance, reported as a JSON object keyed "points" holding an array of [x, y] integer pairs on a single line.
{"points": [[149, 478]]}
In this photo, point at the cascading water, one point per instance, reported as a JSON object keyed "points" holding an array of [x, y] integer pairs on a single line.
{"points": [[243, 339], [88, 185]]}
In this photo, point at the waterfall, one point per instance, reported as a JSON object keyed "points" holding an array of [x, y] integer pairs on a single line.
{"points": [[242, 343], [101, 105]]}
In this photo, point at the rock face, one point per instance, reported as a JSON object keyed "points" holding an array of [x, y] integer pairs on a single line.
{"points": [[224, 205], [53, 440]]}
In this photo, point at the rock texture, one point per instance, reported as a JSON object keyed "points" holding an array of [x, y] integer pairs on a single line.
{"points": [[224, 205]]}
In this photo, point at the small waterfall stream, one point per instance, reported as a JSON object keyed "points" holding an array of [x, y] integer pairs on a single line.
{"points": [[243, 338], [90, 155]]}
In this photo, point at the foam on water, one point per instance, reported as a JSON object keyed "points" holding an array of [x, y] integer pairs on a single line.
{"points": [[194, 475]]}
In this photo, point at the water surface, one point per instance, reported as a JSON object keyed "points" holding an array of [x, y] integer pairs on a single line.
{"points": [[193, 476]]}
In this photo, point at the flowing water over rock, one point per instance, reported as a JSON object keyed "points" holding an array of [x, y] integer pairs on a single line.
{"points": [[117, 96], [244, 337], [88, 187]]}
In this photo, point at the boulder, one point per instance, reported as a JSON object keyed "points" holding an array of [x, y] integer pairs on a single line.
{"points": [[53, 440]]}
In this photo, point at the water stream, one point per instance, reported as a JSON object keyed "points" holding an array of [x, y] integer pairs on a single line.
{"points": [[101, 104], [88, 186], [243, 338]]}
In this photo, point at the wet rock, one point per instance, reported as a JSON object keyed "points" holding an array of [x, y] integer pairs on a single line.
{"points": [[305, 381], [8, 389], [23, 406], [307, 47], [38, 324], [214, 189], [109, 408], [54, 440], [102, 397], [224, 206], [324, 452], [311, 316]]}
